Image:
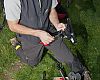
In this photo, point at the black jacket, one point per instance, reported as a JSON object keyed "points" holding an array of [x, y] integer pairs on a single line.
{"points": [[34, 17]]}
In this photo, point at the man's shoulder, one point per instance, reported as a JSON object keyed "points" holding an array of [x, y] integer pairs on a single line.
{"points": [[9, 2], [12, 9]]}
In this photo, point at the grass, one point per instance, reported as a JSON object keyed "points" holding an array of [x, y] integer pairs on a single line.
{"points": [[86, 23]]}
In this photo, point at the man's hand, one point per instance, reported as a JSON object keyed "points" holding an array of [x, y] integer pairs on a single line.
{"points": [[60, 26], [45, 37], [55, 21]]}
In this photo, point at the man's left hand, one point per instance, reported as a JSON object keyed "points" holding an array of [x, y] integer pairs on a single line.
{"points": [[60, 26]]}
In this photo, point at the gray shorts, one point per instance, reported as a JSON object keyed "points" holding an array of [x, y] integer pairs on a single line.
{"points": [[32, 54]]}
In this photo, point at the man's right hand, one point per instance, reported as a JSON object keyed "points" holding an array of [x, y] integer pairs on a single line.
{"points": [[45, 37]]}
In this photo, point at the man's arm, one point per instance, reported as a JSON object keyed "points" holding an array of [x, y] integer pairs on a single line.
{"points": [[15, 27], [54, 17], [45, 37], [55, 21]]}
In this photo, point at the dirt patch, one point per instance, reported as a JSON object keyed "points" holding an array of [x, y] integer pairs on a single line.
{"points": [[7, 75], [16, 66]]}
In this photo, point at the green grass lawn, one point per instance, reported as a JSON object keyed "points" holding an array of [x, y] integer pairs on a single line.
{"points": [[85, 16]]}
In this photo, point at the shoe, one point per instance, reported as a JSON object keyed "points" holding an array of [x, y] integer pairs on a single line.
{"points": [[86, 75], [74, 76]]}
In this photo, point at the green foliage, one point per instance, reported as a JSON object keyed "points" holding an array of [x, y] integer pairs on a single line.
{"points": [[88, 35]]}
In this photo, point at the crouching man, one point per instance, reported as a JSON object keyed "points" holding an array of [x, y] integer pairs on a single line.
{"points": [[31, 19]]}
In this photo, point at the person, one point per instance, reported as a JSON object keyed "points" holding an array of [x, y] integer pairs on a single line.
{"points": [[31, 20]]}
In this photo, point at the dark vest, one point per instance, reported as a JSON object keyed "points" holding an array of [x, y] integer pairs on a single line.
{"points": [[34, 17]]}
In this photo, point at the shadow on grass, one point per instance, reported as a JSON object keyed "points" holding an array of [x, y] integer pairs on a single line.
{"points": [[81, 52], [98, 66], [80, 30]]}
